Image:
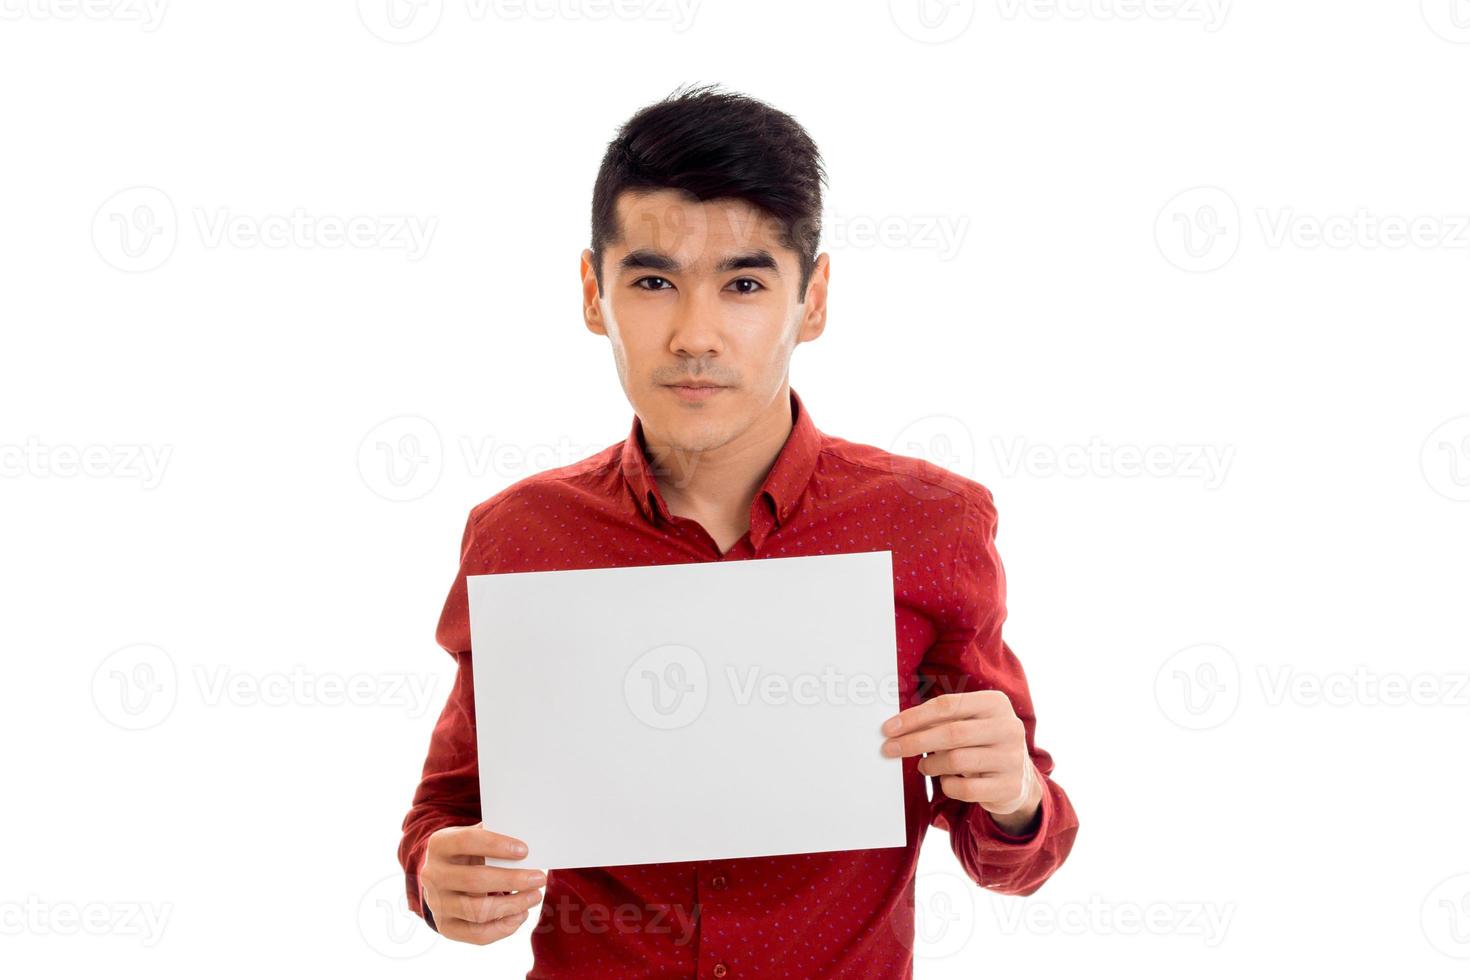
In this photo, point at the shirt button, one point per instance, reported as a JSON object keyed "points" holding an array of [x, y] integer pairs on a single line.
{"points": [[720, 970], [719, 882]]}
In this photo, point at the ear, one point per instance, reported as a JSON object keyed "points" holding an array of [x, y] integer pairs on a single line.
{"points": [[814, 316], [591, 300]]}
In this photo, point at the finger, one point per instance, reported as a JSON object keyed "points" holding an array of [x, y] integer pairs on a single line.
{"points": [[989, 791], [948, 707], [481, 933], [482, 878], [953, 735], [478, 842], [966, 761], [488, 908]]}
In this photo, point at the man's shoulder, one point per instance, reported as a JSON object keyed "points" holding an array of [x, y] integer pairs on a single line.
{"points": [[558, 486], [915, 481]]}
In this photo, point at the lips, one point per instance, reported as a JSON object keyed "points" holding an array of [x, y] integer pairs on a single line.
{"points": [[695, 392]]}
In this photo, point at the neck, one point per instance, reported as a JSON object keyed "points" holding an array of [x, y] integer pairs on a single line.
{"points": [[722, 482]]}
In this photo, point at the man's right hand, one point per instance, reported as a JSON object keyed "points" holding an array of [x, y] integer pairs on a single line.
{"points": [[473, 902]]}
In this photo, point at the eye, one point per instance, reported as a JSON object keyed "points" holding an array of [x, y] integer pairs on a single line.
{"points": [[747, 292], [652, 289]]}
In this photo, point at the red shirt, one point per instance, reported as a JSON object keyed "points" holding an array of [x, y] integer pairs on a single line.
{"points": [[830, 914]]}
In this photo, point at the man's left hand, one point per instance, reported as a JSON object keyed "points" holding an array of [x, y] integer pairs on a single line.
{"points": [[977, 747]]}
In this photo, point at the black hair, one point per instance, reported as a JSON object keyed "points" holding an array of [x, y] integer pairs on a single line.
{"points": [[712, 144]]}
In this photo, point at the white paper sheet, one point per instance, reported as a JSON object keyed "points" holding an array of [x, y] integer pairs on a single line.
{"points": [[687, 712]]}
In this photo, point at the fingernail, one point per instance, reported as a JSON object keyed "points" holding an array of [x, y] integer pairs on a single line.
{"points": [[520, 849], [537, 880], [890, 726]]}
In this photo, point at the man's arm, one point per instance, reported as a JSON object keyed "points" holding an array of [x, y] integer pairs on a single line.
{"points": [[448, 793], [971, 656]]}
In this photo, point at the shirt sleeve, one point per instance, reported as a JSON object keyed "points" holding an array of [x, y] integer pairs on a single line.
{"points": [[448, 793], [970, 655]]}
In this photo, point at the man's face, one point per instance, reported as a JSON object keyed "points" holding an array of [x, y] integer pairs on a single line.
{"points": [[702, 293]]}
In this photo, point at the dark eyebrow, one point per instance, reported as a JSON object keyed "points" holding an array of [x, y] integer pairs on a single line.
{"points": [[647, 258]]}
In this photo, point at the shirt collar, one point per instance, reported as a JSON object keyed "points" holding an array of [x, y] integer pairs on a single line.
{"points": [[784, 484]]}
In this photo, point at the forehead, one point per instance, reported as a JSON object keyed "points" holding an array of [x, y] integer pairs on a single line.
{"points": [[692, 231]]}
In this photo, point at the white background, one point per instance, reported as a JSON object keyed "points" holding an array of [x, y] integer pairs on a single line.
{"points": [[1107, 229]]}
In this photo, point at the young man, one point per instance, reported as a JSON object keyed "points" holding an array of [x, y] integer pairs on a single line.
{"points": [[704, 276]]}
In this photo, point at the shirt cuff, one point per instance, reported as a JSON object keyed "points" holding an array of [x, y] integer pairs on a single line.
{"points": [[428, 913], [990, 830]]}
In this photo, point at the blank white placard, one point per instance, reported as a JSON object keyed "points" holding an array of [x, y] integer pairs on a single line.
{"points": [[687, 712]]}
